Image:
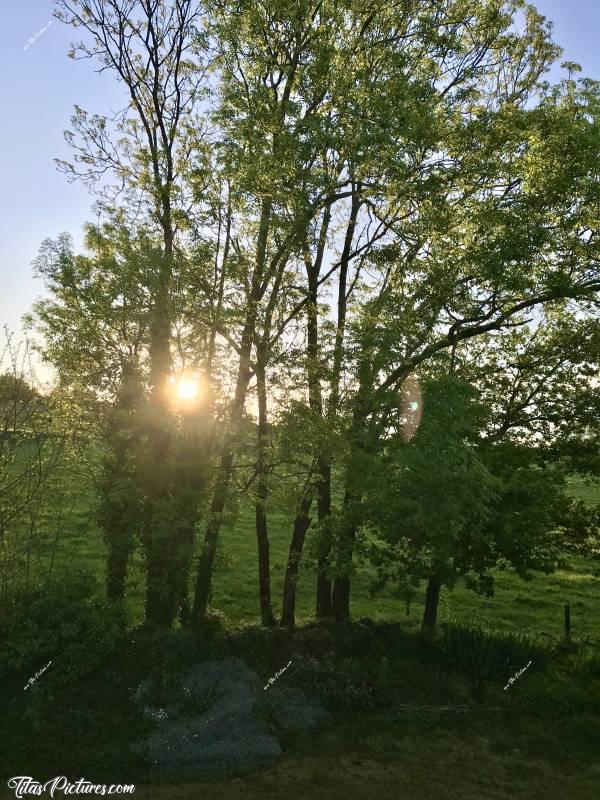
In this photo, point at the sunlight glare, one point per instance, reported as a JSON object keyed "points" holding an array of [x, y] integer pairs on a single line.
{"points": [[187, 389], [410, 407]]}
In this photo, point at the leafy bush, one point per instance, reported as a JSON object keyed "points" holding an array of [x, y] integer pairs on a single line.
{"points": [[558, 693], [64, 622], [339, 686], [76, 715]]}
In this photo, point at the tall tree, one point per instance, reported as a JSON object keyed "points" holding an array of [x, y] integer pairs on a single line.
{"points": [[477, 267], [147, 45]]}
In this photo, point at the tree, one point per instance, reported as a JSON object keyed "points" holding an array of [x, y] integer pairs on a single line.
{"points": [[334, 197], [95, 327], [147, 46], [476, 268], [450, 505]]}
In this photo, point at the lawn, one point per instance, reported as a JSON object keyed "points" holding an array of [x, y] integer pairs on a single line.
{"points": [[375, 759]]}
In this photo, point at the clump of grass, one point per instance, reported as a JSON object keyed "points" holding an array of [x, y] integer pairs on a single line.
{"points": [[483, 654]]}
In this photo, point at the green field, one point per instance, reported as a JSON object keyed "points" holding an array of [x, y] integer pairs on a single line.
{"points": [[534, 606]]}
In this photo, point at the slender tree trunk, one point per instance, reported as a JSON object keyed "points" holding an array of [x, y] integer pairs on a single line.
{"points": [[353, 491], [211, 536], [301, 525], [263, 349], [331, 600], [324, 607], [219, 281], [262, 535], [160, 607], [432, 597], [323, 482], [341, 585], [190, 480]]}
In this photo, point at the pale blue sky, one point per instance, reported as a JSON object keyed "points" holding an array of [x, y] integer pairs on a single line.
{"points": [[40, 85]]}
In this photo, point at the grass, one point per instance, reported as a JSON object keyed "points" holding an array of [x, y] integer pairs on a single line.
{"points": [[539, 746], [384, 761], [534, 606]]}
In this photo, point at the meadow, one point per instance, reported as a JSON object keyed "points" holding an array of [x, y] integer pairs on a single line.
{"points": [[534, 606]]}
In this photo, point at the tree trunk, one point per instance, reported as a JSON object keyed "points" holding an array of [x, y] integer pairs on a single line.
{"points": [[315, 398], [324, 607], [262, 534], [211, 536], [336, 601], [341, 599], [219, 282], [301, 524], [432, 597], [353, 492], [160, 608]]}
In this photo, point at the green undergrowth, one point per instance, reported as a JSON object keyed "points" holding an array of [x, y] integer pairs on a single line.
{"points": [[370, 677]]}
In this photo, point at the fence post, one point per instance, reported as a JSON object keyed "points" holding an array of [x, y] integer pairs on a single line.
{"points": [[567, 621]]}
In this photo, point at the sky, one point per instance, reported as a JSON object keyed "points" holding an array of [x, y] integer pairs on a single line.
{"points": [[40, 86]]}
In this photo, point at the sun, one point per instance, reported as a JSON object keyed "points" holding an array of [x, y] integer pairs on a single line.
{"points": [[187, 389]]}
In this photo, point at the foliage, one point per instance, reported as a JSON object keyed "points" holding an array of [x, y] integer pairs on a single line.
{"points": [[62, 621], [316, 202], [484, 655], [432, 497], [40, 479]]}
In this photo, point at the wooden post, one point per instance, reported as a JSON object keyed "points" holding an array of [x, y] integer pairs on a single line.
{"points": [[567, 621]]}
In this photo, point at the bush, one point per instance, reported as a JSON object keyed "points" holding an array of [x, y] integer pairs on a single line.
{"points": [[64, 622], [76, 715], [558, 693], [343, 685]]}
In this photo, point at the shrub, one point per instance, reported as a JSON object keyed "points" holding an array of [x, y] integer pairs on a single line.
{"points": [[64, 622], [341, 686]]}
